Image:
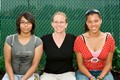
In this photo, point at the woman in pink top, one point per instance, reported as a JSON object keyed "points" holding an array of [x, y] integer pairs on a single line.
{"points": [[94, 50]]}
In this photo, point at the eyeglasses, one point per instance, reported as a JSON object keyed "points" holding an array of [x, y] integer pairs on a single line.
{"points": [[92, 11], [23, 23], [61, 22]]}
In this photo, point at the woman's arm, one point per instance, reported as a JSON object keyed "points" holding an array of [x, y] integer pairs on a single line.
{"points": [[81, 66], [108, 65], [35, 62], [7, 58]]}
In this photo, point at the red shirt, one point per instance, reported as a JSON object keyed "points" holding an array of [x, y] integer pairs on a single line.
{"points": [[80, 47]]}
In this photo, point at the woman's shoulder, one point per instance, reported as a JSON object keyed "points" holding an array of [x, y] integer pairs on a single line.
{"points": [[107, 34], [81, 35], [10, 39], [46, 37], [11, 36], [70, 35], [86, 35], [37, 38], [109, 37]]}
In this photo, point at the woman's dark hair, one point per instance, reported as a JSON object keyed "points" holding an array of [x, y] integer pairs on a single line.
{"points": [[90, 12], [29, 17]]}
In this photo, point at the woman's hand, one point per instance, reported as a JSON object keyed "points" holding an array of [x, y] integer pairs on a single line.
{"points": [[23, 78], [92, 78]]}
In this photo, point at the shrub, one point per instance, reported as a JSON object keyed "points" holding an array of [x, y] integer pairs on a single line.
{"points": [[116, 60], [2, 66]]}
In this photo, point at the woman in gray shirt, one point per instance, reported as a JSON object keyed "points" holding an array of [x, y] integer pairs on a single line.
{"points": [[22, 51]]}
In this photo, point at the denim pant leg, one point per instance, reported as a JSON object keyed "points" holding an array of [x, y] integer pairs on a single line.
{"points": [[6, 77], [80, 76], [109, 76]]}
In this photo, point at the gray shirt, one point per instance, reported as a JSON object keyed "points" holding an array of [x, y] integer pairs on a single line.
{"points": [[22, 55]]}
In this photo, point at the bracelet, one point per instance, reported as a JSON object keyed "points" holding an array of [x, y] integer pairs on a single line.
{"points": [[100, 78]]}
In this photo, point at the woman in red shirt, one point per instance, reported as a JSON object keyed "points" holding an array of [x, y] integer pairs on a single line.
{"points": [[94, 50]]}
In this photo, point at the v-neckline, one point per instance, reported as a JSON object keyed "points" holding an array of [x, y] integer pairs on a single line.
{"points": [[56, 44], [26, 43], [94, 51]]}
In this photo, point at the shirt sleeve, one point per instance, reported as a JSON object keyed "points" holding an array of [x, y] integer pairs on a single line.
{"points": [[112, 43], [9, 39], [38, 42], [78, 44]]}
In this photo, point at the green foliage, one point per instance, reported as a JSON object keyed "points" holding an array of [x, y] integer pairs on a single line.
{"points": [[2, 66], [42, 64], [75, 65], [116, 59]]}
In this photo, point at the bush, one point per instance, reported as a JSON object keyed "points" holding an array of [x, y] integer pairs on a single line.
{"points": [[116, 64], [116, 59], [2, 67]]}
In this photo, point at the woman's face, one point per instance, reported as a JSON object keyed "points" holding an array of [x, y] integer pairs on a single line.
{"points": [[25, 26], [59, 23], [93, 22]]}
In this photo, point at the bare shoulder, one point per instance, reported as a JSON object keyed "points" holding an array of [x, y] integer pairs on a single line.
{"points": [[86, 35], [103, 34]]}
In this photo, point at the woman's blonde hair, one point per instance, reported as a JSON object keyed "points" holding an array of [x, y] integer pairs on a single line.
{"points": [[60, 13]]}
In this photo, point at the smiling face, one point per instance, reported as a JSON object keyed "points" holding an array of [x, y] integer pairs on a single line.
{"points": [[25, 22], [93, 22], [25, 26], [59, 23]]}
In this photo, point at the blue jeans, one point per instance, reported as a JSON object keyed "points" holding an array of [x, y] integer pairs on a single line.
{"points": [[80, 76]]}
